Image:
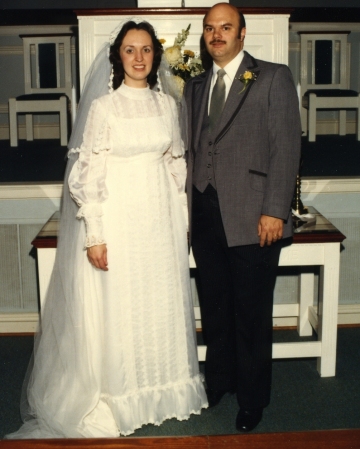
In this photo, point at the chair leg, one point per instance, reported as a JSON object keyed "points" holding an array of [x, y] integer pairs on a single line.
{"points": [[312, 118], [13, 131], [29, 127], [63, 122], [342, 122]]}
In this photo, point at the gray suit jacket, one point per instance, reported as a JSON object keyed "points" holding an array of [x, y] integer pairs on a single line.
{"points": [[256, 149]]}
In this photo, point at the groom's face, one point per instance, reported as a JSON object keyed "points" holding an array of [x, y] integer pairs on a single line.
{"points": [[221, 33]]}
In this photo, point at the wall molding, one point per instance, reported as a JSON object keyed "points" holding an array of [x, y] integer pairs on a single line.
{"points": [[16, 30], [30, 190], [347, 314], [17, 191], [331, 126], [11, 50], [28, 322], [330, 185], [51, 130], [41, 131], [325, 26], [17, 50], [11, 323], [296, 47], [4, 108]]}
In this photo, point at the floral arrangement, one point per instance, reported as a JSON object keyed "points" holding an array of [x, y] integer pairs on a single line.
{"points": [[246, 78], [184, 64]]}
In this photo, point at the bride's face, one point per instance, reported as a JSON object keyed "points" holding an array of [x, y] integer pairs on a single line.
{"points": [[137, 54]]}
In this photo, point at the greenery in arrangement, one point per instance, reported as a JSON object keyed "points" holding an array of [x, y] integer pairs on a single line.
{"points": [[184, 64]]}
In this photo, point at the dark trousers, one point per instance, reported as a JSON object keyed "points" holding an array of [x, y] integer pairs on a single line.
{"points": [[236, 287]]}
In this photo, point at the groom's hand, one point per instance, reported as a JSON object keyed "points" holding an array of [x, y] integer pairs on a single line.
{"points": [[270, 229]]}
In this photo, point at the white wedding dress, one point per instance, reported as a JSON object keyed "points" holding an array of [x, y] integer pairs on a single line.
{"points": [[117, 349]]}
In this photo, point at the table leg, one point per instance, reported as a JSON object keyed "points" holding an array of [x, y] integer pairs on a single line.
{"points": [[45, 262], [328, 309]]}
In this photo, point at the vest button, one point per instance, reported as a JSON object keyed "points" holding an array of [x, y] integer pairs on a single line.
{"points": [[210, 143], [209, 153], [208, 165], [209, 178]]}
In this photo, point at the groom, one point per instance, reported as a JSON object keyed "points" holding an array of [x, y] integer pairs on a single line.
{"points": [[244, 149]]}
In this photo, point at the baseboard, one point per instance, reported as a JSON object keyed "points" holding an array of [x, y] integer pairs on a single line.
{"points": [[41, 131], [347, 314], [324, 127], [27, 322], [14, 323], [51, 130]]}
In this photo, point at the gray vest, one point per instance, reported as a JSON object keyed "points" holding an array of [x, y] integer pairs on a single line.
{"points": [[204, 173]]}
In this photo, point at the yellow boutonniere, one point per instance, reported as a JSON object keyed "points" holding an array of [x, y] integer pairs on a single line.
{"points": [[246, 78]]}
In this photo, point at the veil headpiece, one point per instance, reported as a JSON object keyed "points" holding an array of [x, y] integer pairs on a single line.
{"points": [[98, 82]]}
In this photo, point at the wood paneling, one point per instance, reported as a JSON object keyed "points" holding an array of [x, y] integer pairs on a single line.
{"points": [[334, 439], [166, 11]]}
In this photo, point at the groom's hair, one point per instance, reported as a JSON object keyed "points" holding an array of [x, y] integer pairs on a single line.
{"points": [[242, 23]]}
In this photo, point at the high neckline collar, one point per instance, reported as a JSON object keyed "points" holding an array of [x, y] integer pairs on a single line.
{"points": [[134, 92]]}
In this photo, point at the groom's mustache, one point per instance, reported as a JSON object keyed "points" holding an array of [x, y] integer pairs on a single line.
{"points": [[217, 41]]}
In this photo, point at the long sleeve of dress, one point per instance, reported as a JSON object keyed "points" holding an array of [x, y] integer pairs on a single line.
{"points": [[87, 178], [175, 156]]}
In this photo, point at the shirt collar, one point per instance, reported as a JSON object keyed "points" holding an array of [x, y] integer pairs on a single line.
{"points": [[232, 67]]}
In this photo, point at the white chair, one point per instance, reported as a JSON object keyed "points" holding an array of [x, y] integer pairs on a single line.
{"points": [[324, 80], [48, 83]]}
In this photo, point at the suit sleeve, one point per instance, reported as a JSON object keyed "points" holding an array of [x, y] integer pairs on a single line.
{"points": [[284, 132]]}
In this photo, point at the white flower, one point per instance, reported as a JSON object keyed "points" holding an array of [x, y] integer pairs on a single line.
{"points": [[173, 55]]}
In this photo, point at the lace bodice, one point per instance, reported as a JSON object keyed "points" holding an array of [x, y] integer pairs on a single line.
{"points": [[125, 123]]}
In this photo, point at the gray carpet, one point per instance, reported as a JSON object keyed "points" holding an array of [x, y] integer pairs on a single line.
{"points": [[301, 400]]}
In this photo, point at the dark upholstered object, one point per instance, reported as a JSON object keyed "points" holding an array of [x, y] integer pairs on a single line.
{"points": [[40, 97], [332, 93]]}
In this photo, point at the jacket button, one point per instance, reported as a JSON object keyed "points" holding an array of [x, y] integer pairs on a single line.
{"points": [[208, 165], [210, 143]]}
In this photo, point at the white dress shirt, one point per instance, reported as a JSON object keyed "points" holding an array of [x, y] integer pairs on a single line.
{"points": [[231, 68]]}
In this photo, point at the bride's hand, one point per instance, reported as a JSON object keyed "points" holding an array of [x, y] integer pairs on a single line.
{"points": [[97, 256]]}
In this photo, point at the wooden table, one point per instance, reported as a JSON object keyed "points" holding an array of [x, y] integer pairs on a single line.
{"points": [[314, 244]]}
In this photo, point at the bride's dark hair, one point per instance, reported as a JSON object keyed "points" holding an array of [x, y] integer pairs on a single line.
{"points": [[115, 56]]}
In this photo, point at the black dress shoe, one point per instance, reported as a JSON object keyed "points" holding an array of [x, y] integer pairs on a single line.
{"points": [[214, 396], [247, 420]]}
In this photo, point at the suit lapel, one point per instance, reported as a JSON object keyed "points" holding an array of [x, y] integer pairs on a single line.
{"points": [[235, 99], [199, 103]]}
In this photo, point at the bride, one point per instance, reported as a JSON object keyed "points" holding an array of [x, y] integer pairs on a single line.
{"points": [[116, 349]]}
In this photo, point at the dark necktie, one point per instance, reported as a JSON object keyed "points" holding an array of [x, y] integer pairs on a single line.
{"points": [[217, 99]]}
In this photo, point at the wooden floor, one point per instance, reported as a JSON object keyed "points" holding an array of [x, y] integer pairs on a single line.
{"points": [[333, 439]]}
